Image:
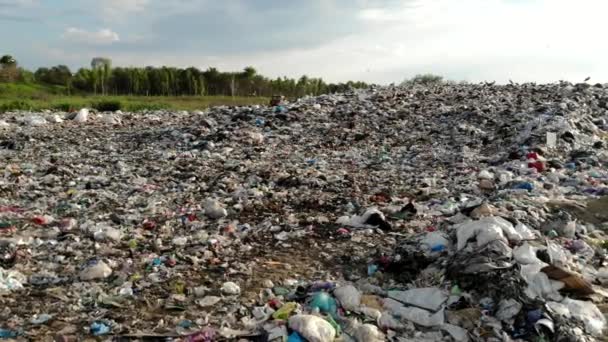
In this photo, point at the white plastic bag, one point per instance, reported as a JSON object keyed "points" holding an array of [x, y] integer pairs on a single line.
{"points": [[348, 296], [359, 221], [82, 116], [413, 314], [368, 333], [485, 231], [312, 328], [558, 255], [540, 286], [485, 174], [99, 270], [524, 232], [526, 254], [430, 298]]}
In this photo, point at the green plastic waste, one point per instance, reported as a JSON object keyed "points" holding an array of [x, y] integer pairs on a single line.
{"points": [[285, 311], [335, 325]]}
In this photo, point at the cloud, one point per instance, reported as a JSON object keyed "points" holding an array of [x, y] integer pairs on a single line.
{"points": [[119, 9], [379, 41], [11, 10], [100, 37], [15, 18], [18, 3]]}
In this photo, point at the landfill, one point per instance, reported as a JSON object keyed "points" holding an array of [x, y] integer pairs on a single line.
{"points": [[452, 212]]}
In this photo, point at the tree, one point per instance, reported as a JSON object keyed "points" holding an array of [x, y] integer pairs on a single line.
{"points": [[302, 86], [84, 80], [167, 81], [425, 79], [7, 60], [26, 76], [102, 67], [8, 69], [57, 75]]}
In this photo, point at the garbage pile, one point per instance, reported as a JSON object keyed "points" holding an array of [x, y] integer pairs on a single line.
{"points": [[469, 212]]}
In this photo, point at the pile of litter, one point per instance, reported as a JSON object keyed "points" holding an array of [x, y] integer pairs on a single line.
{"points": [[440, 213]]}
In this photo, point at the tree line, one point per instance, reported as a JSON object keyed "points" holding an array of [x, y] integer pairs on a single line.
{"points": [[103, 79]]}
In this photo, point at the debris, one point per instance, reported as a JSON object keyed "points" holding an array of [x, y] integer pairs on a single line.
{"points": [[214, 210], [458, 334], [507, 309], [572, 282], [99, 329], [231, 288], [41, 318], [415, 213], [11, 280], [7, 333], [96, 269], [208, 301], [586, 312], [368, 333]]}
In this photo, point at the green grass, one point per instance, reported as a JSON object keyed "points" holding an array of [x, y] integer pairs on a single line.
{"points": [[21, 96]]}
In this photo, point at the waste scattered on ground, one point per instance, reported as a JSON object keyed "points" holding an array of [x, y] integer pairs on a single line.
{"points": [[440, 213]]}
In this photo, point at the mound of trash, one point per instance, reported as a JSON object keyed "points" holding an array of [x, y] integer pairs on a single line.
{"points": [[469, 212]]}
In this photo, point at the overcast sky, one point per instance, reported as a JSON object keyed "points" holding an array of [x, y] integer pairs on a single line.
{"points": [[380, 41]]}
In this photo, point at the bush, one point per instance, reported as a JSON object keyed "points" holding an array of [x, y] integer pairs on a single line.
{"points": [[65, 107], [141, 106], [16, 105], [108, 105]]}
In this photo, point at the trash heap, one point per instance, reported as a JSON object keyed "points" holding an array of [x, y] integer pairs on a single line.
{"points": [[469, 212]]}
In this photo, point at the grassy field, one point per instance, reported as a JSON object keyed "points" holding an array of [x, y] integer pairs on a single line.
{"points": [[37, 97]]}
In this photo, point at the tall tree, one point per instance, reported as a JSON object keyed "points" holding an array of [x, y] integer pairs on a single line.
{"points": [[8, 69], [102, 67]]}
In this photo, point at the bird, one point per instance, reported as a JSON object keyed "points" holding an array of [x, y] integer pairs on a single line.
{"points": [[587, 79]]}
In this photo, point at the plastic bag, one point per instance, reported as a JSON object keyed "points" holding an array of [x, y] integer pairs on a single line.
{"points": [[368, 333], [539, 284], [348, 296], [413, 314], [82, 116], [507, 309], [99, 270], [313, 328], [485, 231], [558, 255], [526, 254], [524, 232], [427, 298], [434, 240], [11, 280]]}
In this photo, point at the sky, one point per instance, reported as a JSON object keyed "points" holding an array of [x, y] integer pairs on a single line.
{"points": [[377, 41]]}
